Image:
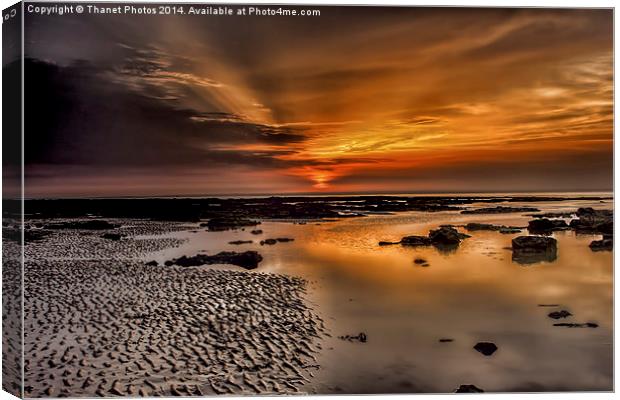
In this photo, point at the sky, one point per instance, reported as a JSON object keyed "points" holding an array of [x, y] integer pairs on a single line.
{"points": [[356, 100]]}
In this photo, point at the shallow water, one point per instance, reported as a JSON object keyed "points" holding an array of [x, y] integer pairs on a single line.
{"points": [[476, 293]]}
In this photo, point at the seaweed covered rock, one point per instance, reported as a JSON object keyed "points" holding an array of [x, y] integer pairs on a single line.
{"points": [[544, 225], [605, 244], [247, 259], [533, 249]]}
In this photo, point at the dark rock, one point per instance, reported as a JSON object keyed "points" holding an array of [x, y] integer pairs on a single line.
{"points": [[168, 263], [112, 236], [284, 240], [486, 348], [227, 223], [268, 242], [420, 261], [238, 242], [533, 249], [415, 241], [152, 263], [247, 259], [533, 243], [475, 226], [500, 210], [553, 215], [559, 314], [468, 389], [509, 230], [445, 340], [575, 325], [361, 337], [445, 236], [94, 224], [606, 244], [544, 225], [593, 221], [382, 243], [256, 232]]}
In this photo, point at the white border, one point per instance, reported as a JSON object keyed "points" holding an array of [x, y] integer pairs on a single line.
{"points": [[479, 3]]}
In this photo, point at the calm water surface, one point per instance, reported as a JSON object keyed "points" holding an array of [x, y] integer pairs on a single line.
{"points": [[476, 293]]}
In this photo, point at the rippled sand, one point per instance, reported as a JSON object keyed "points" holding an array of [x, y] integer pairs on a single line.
{"points": [[99, 322]]}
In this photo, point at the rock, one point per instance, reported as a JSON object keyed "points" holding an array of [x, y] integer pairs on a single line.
{"points": [[468, 389], [415, 241], [152, 263], [553, 215], [247, 259], [544, 225], [559, 314], [228, 223], [500, 210], [112, 236], [420, 261], [284, 240], [361, 337], [533, 243], [256, 232], [593, 221], [475, 226], [574, 325], [445, 340], [383, 243], [606, 244], [510, 229], [444, 236], [270, 242], [533, 249], [238, 242], [486, 348]]}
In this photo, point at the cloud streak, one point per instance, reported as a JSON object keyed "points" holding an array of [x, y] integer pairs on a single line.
{"points": [[394, 99]]}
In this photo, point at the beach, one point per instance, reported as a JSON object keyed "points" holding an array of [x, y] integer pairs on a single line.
{"points": [[111, 309]]}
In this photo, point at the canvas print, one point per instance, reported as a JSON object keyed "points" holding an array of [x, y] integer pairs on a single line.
{"points": [[209, 199]]}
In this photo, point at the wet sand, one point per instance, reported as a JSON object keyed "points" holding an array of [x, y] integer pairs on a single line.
{"points": [[108, 325], [329, 311]]}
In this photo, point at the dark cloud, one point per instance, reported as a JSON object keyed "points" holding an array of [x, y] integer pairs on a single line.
{"points": [[78, 117]]}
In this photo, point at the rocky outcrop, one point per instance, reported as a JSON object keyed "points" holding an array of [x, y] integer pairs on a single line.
{"points": [[247, 259], [605, 244], [415, 241], [594, 221], [475, 226], [577, 325], [500, 210], [559, 314], [228, 223], [544, 225], [112, 236], [239, 242], [361, 337], [486, 348], [468, 389], [532, 249], [444, 236]]}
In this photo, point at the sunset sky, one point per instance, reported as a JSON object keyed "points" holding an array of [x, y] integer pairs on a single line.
{"points": [[357, 100]]}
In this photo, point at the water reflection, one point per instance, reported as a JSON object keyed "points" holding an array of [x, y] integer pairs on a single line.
{"points": [[528, 257], [474, 293]]}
